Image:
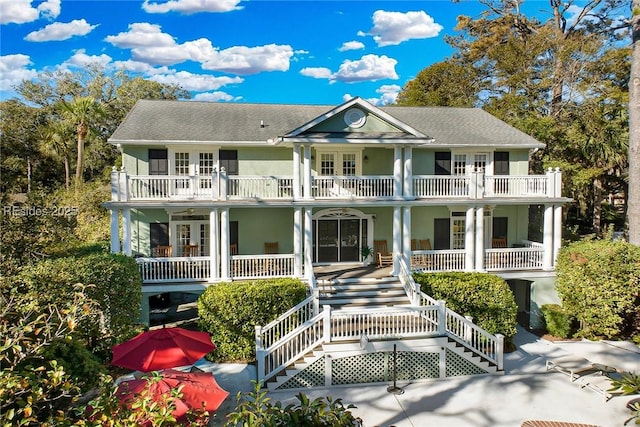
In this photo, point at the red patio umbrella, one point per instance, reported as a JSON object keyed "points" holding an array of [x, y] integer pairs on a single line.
{"points": [[162, 348], [199, 390]]}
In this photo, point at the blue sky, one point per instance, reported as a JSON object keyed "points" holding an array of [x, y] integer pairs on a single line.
{"points": [[259, 51]]}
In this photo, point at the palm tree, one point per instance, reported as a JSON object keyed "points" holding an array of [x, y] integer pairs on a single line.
{"points": [[57, 141], [81, 111]]}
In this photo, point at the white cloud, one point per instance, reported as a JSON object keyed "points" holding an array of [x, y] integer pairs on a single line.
{"points": [[389, 95], [141, 34], [215, 97], [352, 45], [13, 70], [316, 72], [61, 31], [81, 59], [21, 11], [392, 28], [368, 68], [150, 45], [140, 67], [250, 60], [196, 82], [190, 6]]}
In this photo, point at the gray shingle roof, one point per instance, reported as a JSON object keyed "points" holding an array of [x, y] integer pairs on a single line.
{"points": [[161, 122]]}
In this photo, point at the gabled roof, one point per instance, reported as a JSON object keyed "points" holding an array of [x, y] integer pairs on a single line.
{"points": [[161, 122]]}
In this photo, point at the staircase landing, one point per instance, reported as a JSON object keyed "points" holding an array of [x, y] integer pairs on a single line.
{"points": [[350, 271]]}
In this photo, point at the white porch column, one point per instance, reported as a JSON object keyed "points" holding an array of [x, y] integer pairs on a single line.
{"points": [[397, 238], [126, 231], [408, 172], [547, 238], [406, 233], [557, 232], [115, 184], [224, 244], [469, 241], [307, 172], [115, 231], [308, 242], [296, 171], [297, 242], [479, 239], [214, 241], [397, 171]]}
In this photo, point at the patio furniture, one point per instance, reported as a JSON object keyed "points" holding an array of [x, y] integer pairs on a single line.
{"points": [[382, 253], [271, 248], [162, 251], [499, 242], [600, 381], [190, 250], [233, 249], [572, 366]]}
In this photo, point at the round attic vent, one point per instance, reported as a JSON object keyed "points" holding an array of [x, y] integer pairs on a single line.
{"points": [[355, 118]]}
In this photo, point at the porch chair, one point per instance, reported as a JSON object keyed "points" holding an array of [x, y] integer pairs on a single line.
{"points": [[233, 249], [499, 242], [162, 251], [190, 250], [271, 248], [382, 253]]}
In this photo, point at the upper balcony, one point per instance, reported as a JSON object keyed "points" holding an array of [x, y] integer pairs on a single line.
{"points": [[223, 187]]}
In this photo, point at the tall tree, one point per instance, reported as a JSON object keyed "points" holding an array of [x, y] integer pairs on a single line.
{"points": [[634, 128], [82, 112], [57, 141]]}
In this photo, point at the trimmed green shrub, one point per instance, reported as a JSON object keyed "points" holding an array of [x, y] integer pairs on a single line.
{"points": [[112, 281], [77, 361], [231, 311], [485, 297], [598, 282], [557, 321]]}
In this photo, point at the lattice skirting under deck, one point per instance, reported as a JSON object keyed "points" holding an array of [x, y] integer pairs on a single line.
{"points": [[377, 367]]}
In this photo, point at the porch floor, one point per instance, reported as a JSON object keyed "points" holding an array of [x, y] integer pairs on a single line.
{"points": [[350, 271]]}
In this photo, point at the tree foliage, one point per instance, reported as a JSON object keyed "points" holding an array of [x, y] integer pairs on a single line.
{"points": [[598, 282], [62, 112], [563, 80]]}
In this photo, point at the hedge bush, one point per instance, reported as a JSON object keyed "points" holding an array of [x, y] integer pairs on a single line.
{"points": [[557, 321], [598, 282], [230, 312], [485, 297], [112, 281]]}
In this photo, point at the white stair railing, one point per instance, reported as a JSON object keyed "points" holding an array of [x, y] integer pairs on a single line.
{"points": [[455, 326]]}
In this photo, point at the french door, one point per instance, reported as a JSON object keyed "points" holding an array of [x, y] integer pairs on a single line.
{"points": [[190, 233], [338, 240]]}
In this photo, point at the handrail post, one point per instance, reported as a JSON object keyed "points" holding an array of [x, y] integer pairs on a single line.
{"points": [[326, 323], [316, 300], [467, 329], [500, 351], [259, 354], [224, 181], [442, 317], [123, 189], [115, 194]]}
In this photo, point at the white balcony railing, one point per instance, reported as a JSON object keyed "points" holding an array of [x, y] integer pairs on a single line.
{"points": [[324, 187], [198, 269], [221, 186]]}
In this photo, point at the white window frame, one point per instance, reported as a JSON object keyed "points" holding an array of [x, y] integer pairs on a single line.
{"points": [[470, 157], [338, 160]]}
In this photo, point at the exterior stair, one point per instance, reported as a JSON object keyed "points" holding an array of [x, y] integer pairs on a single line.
{"points": [[361, 293], [304, 373]]}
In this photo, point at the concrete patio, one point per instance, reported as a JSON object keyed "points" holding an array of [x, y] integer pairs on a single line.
{"points": [[527, 391]]}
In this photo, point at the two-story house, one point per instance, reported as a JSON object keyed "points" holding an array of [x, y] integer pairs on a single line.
{"points": [[212, 192]]}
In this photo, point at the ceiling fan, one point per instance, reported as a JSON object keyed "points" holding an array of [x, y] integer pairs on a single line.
{"points": [[189, 211]]}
